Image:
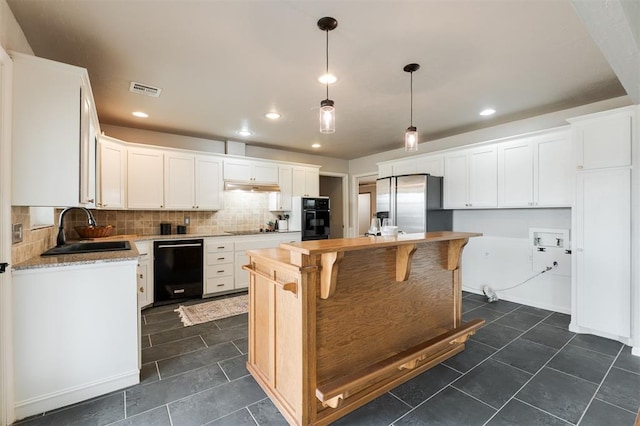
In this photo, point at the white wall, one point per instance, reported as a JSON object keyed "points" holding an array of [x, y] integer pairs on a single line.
{"points": [[502, 257], [11, 35]]}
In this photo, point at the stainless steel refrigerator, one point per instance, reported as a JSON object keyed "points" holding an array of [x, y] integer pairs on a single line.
{"points": [[413, 203]]}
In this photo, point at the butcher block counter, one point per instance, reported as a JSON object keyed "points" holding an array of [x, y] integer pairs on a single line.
{"points": [[333, 324]]}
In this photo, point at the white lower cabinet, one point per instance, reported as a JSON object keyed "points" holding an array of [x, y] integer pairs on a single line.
{"points": [[218, 273], [145, 273], [602, 240], [76, 334]]}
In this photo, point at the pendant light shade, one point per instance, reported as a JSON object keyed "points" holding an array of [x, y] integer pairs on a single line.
{"points": [[327, 108], [411, 135]]}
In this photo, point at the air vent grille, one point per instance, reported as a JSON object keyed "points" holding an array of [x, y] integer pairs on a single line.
{"points": [[145, 89]]}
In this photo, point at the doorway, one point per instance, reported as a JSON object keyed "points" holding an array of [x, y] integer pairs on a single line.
{"points": [[364, 203], [334, 186], [6, 313]]}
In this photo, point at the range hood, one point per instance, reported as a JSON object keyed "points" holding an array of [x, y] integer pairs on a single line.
{"points": [[250, 187]]}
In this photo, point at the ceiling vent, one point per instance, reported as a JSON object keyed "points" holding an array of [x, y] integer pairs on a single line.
{"points": [[145, 89]]}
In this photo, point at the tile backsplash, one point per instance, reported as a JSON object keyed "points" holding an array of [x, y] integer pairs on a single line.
{"points": [[243, 211]]}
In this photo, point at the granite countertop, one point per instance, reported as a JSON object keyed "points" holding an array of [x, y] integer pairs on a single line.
{"points": [[78, 259], [121, 255]]}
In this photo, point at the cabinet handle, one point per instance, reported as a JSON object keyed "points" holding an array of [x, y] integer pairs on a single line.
{"points": [[141, 276], [221, 258], [220, 285], [141, 289], [91, 200], [221, 271], [579, 167]]}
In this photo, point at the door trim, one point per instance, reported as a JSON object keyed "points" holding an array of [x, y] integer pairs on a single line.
{"points": [[345, 198], [7, 414]]}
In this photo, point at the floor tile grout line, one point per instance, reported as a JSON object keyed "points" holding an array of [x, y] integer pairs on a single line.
{"points": [[205, 343], [601, 383], [614, 405], [475, 397], [531, 378], [626, 370], [169, 414], [597, 352], [540, 409], [223, 372], [422, 403], [124, 403], [398, 398], [574, 376], [158, 370]]}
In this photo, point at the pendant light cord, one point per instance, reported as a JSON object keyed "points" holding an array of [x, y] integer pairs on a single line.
{"points": [[411, 89], [327, 73]]}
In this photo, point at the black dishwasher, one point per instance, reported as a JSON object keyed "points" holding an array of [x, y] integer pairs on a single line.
{"points": [[177, 270]]}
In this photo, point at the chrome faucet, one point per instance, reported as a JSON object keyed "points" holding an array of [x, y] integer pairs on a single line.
{"points": [[62, 238]]}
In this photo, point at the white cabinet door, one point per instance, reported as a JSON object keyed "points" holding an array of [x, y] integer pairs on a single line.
{"points": [[407, 167], [306, 182], [281, 201], [515, 174], [145, 178], [265, 172], [250, 171], [604, 141], [456, 181], [208, 183], [179, 181], [241, 276], [112, 174], [552, 172], [602, 283], [88, 144], [49, 119], [483, 177]]}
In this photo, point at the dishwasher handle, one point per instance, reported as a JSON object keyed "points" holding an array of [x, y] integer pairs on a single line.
{"points": [[179, 245]]}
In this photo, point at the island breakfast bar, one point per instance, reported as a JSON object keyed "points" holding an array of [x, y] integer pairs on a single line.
{"points": [[334, 324]]}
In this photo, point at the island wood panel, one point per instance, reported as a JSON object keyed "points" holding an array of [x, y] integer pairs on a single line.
{"points": [[330, 352], [371, 316]]}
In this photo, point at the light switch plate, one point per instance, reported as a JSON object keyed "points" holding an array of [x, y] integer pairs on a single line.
{"points": [[16, 233]]}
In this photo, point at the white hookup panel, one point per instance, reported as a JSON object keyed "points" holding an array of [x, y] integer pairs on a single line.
{"points": [[548, 246]]}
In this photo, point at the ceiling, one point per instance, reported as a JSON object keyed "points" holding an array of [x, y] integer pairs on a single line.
{"points": [[222, 65]]}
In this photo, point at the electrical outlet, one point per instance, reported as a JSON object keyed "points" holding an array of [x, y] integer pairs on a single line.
{"points": [[16, 233], [187, 220]]}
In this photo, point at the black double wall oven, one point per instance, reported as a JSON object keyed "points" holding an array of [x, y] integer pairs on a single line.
{"points": [[316, 218]]}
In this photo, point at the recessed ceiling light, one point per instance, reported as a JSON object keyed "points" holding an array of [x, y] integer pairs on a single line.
{"points": [[327, 79], [272, 115], [140, 114], [316, 145], [244, 132], [488, 111]]}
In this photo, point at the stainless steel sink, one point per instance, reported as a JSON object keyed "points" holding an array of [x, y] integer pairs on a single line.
{"points": [[89, 247]]}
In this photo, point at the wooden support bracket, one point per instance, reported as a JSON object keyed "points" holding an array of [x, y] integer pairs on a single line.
{"points": [[403, 261], [454, 252], [290, 286], [329, 273]]}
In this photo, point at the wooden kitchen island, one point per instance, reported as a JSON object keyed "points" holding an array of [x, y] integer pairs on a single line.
{"points": [[333, 324]]}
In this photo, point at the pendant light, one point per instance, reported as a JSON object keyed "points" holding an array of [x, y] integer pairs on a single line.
{"points": [[327, 108], [411, 135]]}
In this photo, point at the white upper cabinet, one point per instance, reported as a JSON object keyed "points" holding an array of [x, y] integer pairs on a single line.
{"points": [[552, 171], [471, 178], [603, 140], [145, 178], [306, 181], [208, 182], [515, 174], [241, 170], [112, 174], [281, 201], [192, 182], [535, 171], [54, 128], [179, 181]]}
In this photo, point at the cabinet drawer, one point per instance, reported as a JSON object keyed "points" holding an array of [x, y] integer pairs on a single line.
{"points": [[220, 270], [214, 247], [214, 285], [219, 258]]}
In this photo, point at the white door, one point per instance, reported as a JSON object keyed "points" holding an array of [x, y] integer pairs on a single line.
{"points": [[456, 181], [179, 181], [364, 213], [144, 178], [515, 174], [483, 177], [6, 313], [603, 251], [208, 183], [552, 170], [112, 175]]}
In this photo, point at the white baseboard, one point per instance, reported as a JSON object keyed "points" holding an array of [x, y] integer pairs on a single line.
{"points": [[62, 398], [584, 330], [523, 301]]}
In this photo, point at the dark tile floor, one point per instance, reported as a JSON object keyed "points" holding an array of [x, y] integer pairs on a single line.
{"points": [[522, 368]]}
